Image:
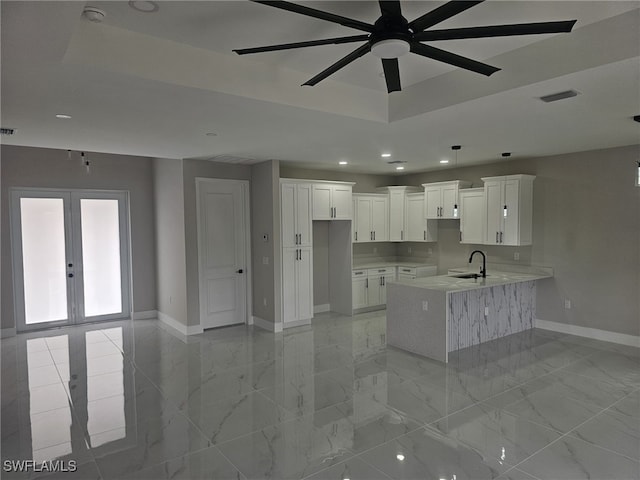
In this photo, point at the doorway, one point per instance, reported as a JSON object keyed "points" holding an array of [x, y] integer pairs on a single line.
{"points": [[70, 254], [223, 251]]}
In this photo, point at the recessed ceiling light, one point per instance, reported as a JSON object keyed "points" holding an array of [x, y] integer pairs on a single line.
{"points": [[93, 14], [400, 457], [144, 6], [342, 162], [444, 161], [385, 155], [63, 116], [399, 167], [211, 134]]}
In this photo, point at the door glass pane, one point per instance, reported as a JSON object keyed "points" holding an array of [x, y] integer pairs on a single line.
{"points": [[101, 256], [43, 259]]}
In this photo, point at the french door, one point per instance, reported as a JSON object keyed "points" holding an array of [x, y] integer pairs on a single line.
{"points": [[70, 257]]}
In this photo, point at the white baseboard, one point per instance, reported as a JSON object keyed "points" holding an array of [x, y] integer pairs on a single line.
{"points": [[8, 332], [297, 323], [180, 327], [326, 307], [144, 315], [594, 333], [266, 325]]}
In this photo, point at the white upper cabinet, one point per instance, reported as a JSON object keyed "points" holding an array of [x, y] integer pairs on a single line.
{"points": [[509, 210], [332, 201], [441, 199], [295, 200], [472, 216], [396, 210], [370, 218], [417, 227]]}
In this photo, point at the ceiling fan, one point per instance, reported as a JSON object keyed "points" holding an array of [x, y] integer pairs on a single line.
{"points": [[391, 36]]}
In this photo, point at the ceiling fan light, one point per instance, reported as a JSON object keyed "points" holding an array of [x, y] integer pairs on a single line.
{"points": [[392, 48]]}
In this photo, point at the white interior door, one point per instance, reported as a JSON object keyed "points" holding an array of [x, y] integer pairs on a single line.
{"points": [[222, 243], [70, 257]]}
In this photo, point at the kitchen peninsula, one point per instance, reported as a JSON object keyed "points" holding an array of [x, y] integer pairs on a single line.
{"points": [[436, 315]]}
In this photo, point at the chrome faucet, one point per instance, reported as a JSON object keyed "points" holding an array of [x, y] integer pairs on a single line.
{"points": [[483, 270]]}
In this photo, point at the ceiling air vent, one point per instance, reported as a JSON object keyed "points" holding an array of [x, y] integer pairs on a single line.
{"points": [[7, 131], [396, 162], [554, 97]]}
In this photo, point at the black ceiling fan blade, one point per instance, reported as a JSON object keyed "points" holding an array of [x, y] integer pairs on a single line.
{"points": [[312, 43], [343, 62], [442, 13], [495, 31], [390, 8], [452, 59], [391, 74], [312, 12]]}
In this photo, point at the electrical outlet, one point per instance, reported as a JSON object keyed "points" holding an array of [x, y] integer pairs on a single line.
{"points": [[567, 304], [486, 311], [265, 260], [264, 301], [425, 305], [516, 255], [375, 250], [408, 249], [429, 251]]}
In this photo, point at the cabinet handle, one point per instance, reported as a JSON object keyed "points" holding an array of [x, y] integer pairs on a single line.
{"points": [[460, 235], [374, 235], [497, 236], [300, 254], [424, 234], [501, 234], [381, 271], [356, 236], [401, 234], [384, 281], [366, 285], [380, 281]]}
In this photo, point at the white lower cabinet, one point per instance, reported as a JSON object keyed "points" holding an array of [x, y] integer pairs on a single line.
{"points": [[369, 286], [297, 284]]}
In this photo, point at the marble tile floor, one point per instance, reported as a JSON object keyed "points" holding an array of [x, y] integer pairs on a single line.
{"points": [[135, 400]]}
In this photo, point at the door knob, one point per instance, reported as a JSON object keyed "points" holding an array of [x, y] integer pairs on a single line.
{"points": [[240, 271]]}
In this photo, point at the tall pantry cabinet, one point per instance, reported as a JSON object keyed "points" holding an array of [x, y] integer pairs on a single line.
{"points": [[297, 251]]}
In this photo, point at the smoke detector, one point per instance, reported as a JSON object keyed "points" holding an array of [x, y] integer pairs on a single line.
{"points": [[93, 14]]}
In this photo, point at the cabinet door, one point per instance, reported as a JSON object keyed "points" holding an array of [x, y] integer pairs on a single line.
{"points": [[289, 301], [493, 197], [396, 216], [380, 219], [383, 287], [510, 219], [305, 283], [415, 222], [288, 214], [303, 215], [373, 291], [363, 219], [450, 201], [322, 202], [472, 217], [342, 201], [432, 202], [359, 292]]}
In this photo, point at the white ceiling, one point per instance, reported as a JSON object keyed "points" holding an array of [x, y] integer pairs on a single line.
{"points": [[155, 84]]}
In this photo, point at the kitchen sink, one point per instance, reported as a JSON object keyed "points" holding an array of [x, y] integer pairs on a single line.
{"points": [[468, 275]]}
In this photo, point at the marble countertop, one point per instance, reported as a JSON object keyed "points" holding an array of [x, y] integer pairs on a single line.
{"points": [[448, 284], [392, 263]]}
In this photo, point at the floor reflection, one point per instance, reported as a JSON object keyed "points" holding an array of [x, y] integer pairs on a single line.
{"points": [[134, 400]]}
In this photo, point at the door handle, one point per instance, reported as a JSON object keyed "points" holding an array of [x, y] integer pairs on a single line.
{"points": [[240, 271]]}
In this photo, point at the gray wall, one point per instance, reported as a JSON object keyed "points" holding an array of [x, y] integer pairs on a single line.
{"points": [[320, 263], [586, 217], [48, 168], [170, 239], [191, 170], [265, 220]]}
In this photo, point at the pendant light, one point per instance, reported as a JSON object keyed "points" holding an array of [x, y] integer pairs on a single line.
{"points": [[638, 174], [455, 148]]}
